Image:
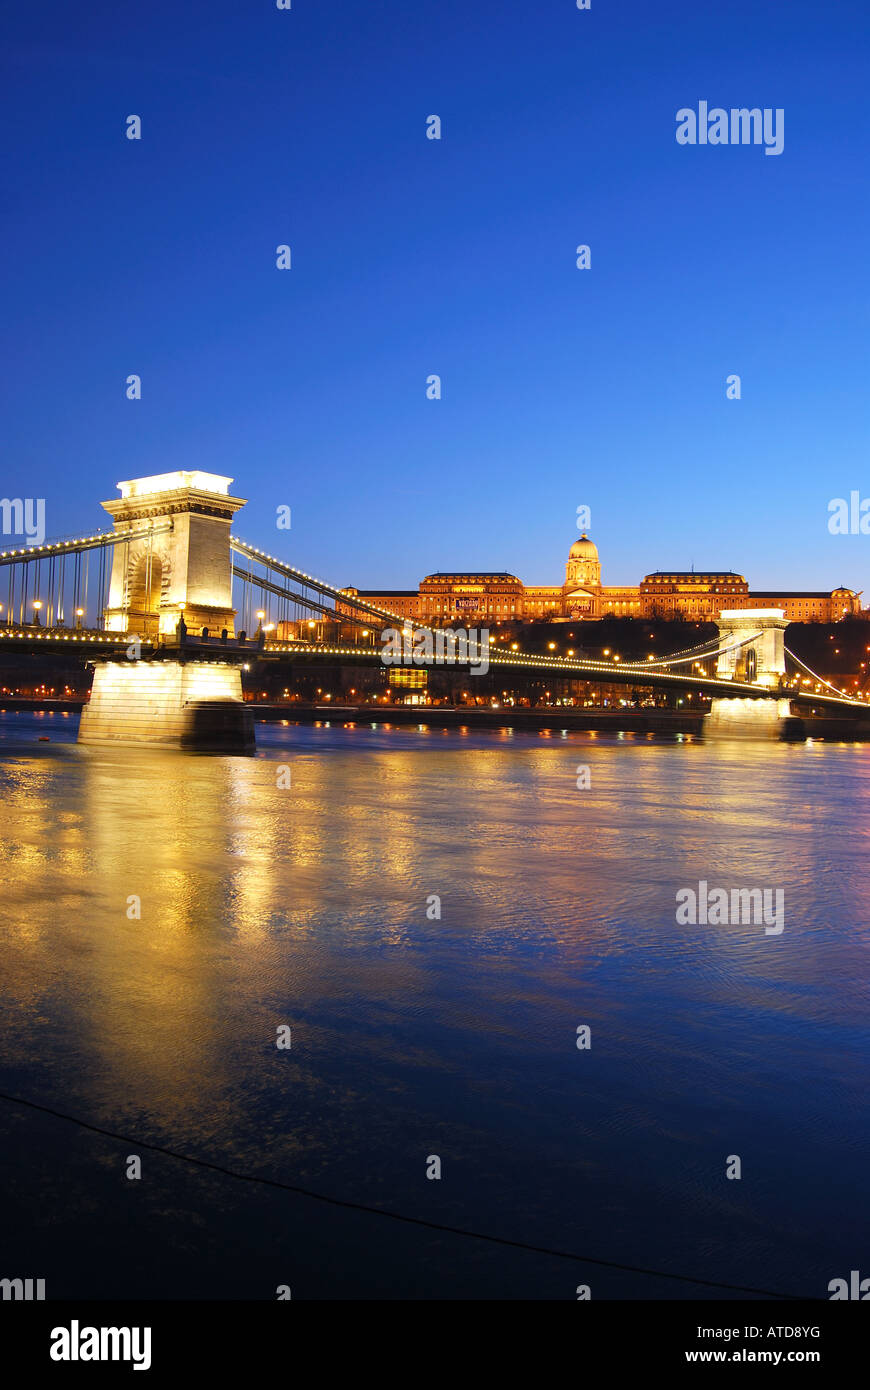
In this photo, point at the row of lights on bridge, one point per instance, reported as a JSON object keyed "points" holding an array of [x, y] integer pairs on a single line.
{"points": [[79, 540], [37, 606]]}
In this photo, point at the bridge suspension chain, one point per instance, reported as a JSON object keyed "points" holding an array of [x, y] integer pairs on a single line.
{"points": [[681, 660], [699, 651], [810, 672], [310, 581], [269, 586], [100, 539]]}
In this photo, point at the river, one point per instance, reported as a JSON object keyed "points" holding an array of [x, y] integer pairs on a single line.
{"points": [[432, 915]]}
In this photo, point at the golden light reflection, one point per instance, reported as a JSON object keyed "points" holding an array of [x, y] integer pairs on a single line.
{"points": [[257, 899]]}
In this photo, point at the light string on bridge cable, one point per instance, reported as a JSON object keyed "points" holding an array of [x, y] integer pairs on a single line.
{"points": [[681, 660], [306, 580], [704, 648], [838, 690], [691, 654], [248, 577], [79, 543], [349, 1205]]}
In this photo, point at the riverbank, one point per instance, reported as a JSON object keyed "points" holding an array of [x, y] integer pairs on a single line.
{"points": [[638, 721], [647, 721]]}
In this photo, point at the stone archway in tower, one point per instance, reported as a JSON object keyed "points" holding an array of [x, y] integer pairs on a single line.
{"points": [[144, 590], [751, 664]]}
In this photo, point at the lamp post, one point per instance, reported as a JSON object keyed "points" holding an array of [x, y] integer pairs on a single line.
{"points": [[37, 605]]}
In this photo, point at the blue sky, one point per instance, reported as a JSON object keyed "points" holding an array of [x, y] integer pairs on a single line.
{"points": [[561, 387]]}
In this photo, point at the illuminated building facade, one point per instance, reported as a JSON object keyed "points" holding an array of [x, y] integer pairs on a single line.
{"points": [[470, 598]]}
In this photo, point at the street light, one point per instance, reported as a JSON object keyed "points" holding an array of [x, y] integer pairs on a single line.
{"points": [[37, 604]]}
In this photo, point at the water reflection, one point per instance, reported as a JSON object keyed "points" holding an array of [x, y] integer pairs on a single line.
{"points": [[307, 905]]}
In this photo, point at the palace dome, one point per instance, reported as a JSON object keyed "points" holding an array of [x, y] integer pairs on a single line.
{"points": [[584, 549]]}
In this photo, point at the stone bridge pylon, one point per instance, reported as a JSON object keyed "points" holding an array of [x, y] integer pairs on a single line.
{"points": [[182, 566], [754, 653]]}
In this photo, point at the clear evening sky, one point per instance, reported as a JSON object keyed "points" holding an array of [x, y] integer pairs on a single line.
{"points": [[411, 257]]}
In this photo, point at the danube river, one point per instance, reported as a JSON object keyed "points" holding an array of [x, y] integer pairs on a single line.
{"points": [[312, 906]]}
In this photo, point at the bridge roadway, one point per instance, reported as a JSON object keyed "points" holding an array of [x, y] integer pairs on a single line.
{"points": [[89, 644]]}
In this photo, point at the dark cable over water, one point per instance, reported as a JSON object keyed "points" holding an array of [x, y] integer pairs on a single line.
{"points": [[391, 1215]]}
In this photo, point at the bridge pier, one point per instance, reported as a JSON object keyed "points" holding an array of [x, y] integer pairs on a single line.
{"points": [[747, 718], [195, 705], [755, 655]]}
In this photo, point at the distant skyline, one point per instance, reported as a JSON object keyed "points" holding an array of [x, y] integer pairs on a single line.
{"points": [[411, 257]]}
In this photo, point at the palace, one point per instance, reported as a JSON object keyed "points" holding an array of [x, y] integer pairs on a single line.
{"points": [[443, 599]]}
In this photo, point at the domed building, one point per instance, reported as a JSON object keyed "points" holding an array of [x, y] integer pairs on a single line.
{"points": [[582, 594], [473, 597]]}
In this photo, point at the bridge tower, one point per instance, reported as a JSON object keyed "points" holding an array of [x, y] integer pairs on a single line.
{"points": [[181, 568], [755, 641], [184, 567]]}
